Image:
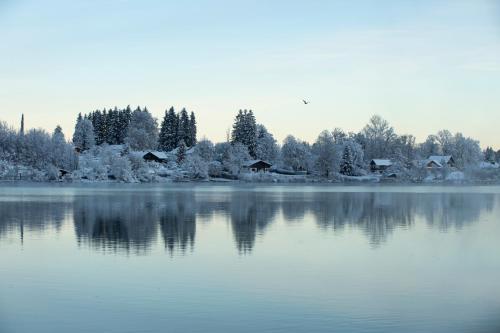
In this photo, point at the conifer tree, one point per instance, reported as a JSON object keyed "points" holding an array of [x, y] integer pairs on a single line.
{"points": [[184, 128], [181, 152], [192, 130], [21, 131], [346, 164], [168, 133], [245, 131]]}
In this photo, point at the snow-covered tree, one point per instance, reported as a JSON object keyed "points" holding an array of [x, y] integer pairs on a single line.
{"points": [[236, 156], [326, 159], [489, 155], [430, 147], [184, 128], [378, 138], [181, 152], [192, 130], [196, 167], [296, 154], [60, 154], [245, 131], [83, 137], [346, 163], [466, 151], [357, 153], [142, 131], [37, 146], [267, 148], [205, 149], [168, 133], [9, 141], [121, 168]]}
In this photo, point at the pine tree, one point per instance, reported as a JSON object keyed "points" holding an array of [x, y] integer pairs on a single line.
{"points": [[489, 155], [21, 131], [192, 130], [184, 128], [245, 131], [76, 134], [346, 164], [168, 133]]}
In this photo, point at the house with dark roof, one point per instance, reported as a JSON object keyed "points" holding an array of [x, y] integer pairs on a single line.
{"points": [[155, 156], [256, 166], [379, 165]]}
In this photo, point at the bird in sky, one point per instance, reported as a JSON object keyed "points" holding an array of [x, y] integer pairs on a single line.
{"points": [[305, 102]]}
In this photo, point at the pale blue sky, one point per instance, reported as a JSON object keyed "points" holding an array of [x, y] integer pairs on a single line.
{"points": [[422, 65]]}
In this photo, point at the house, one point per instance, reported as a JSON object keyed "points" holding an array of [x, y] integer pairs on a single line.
{"points": [[432, 164], [379, 165], [256, 166], [155, 156], [443, 160]]}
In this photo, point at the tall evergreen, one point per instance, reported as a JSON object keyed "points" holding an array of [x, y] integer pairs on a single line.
{"points": [[184, 128], [245, 131], [346, 164], [21, 131], [168, 132], [192, 130]]}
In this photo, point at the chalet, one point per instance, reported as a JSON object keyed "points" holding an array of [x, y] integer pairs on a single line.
{"points": [[432, 164], [256, 166], [155, 156], [443, 160], [379, 165]]}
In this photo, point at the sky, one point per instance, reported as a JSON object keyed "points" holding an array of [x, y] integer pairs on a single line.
{"points": [[422, 65]]}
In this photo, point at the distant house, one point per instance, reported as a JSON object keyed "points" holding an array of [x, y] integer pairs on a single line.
{"points": [[443, 160], [256, 166], [379, 165], [155, 156], [432, 164]]}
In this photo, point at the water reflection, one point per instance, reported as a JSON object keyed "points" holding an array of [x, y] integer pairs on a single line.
{"points": [[133, 222]]}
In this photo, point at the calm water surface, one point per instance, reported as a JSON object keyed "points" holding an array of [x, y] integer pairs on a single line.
{"points": [[206, 258]]}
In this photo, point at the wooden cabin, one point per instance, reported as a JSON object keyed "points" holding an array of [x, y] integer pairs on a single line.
{"points": [[257, 166], [379, 165], [155, 156]]}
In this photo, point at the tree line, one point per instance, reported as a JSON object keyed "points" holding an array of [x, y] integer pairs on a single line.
{"points": [[138, 129]]}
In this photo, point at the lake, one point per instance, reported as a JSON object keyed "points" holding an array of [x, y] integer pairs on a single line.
{"points": [[264, 258]]}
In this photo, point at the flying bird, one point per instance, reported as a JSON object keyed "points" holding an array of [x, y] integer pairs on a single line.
{"points": [[305, 102]]}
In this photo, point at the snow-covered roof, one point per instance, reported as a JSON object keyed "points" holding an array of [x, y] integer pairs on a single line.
{"points": [[381, 162], [188, 152], [159, 154], [442, 159], [252, 162], [439, 165]]}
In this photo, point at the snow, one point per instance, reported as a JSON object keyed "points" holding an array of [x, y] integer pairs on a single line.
{"points": [[456, 176], [441, 160], [382, 162]]}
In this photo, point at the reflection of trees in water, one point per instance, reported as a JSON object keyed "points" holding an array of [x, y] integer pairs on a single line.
{"points": [[453, 210], [178, 220], [31, 216], [131, 220], [116, 222], [250, 213], [379, 213]]}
